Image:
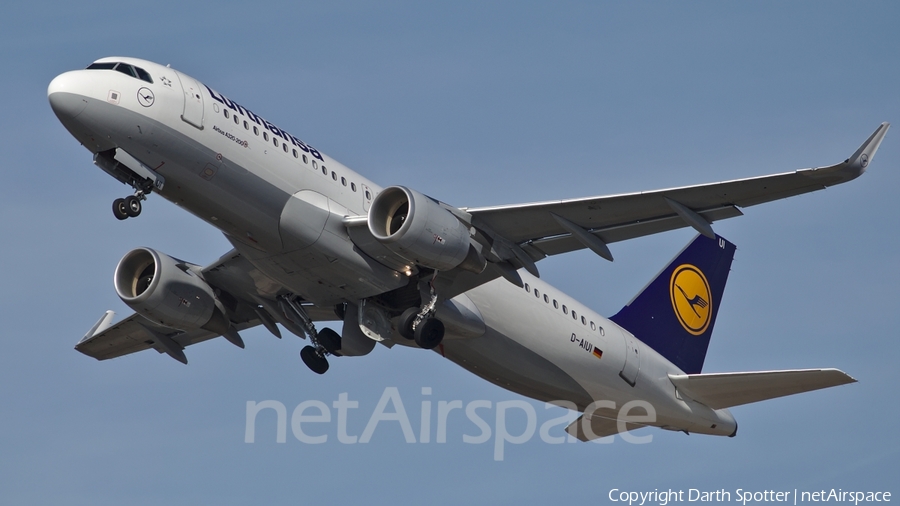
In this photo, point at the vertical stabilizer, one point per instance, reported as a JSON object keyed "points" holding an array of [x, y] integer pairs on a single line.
{"points": [[676, 312]]}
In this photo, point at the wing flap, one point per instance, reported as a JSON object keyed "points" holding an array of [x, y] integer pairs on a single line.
{"points": [[566, 243], [725, 390]]}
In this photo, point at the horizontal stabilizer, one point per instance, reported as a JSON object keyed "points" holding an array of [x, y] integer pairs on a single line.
{"points": [[598, 427], [724, 390]]}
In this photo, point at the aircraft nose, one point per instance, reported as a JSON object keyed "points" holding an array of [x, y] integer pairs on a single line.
{"points": [[64, 96]]}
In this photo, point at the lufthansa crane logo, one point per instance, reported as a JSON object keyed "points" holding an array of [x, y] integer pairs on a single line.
{"points": [[691, 298], [145, 97]]}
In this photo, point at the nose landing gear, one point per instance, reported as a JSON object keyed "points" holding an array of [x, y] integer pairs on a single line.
{"points": [[129, 207], [133, 173]]}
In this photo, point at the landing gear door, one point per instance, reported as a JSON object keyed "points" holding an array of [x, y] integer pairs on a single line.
{"points": [[632, 365], [193, 101]]}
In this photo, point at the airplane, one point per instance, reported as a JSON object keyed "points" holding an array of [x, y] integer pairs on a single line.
{"points": [[315, 241]]}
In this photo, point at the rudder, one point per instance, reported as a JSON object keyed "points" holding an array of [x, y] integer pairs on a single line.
{"points": [[675, 313]]}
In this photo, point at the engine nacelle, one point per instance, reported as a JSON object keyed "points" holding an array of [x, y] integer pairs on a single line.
{"points": [[166, 291], [418, 229]]}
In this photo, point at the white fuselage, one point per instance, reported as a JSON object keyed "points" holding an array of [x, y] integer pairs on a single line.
{"points": [[242, 174]]}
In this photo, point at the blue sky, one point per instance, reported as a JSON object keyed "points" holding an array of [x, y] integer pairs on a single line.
{"points": [[476, 104]]}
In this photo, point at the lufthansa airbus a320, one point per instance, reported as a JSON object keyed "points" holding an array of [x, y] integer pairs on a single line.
{"points": [[315, 241]]}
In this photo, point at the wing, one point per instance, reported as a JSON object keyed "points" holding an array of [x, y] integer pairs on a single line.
{"points": [[136, 333], [252, 299], [512, 237], [551, 228]]}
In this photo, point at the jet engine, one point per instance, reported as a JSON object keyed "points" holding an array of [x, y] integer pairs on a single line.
{"points": [[418, 229], [168, 291]]}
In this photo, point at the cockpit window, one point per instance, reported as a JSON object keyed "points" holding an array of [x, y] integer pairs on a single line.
{"points": [[102, 66], [124, 68], [143, 75]]}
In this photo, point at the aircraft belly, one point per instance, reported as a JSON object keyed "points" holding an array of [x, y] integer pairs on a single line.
{"points": [[535, 354], [510, 365], [222, 192], [539, 339], [324, 275]]}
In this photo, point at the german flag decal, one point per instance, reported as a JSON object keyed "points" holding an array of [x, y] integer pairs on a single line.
{"points": [[598, 352]]}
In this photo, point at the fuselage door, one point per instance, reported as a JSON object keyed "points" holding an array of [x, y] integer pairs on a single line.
{"points": [[632, 365], [193, 100]]}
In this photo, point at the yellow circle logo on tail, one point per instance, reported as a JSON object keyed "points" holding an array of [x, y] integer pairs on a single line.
{"points": [[691, 298]]}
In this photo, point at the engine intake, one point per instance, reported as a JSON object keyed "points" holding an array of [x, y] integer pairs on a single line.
{"points": [[418, 229], [166, 291]]}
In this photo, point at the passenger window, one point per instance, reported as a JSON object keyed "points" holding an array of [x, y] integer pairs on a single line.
{"points": [[593, 326], [344, 181], [583, 321], [536, 293], [315, 165], [368, 195], [602, 333], [246, 125], [227, 114], [255, 131], [296, 155], [265, 136], [353, 186], [527, 287], [324, 170], [546, 299], [574, 316], [565, 309], [555, 304], [275, 141], [237, 120], [333, 175], [284, 146], [305, 160]]}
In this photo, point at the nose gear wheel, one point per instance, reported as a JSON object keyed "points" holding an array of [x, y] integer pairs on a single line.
{"points": [[129, 207]]}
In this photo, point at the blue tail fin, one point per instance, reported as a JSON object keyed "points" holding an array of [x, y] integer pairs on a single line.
{"points": [[675, 313]]}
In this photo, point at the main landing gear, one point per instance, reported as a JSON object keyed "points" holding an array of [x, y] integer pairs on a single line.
{"points": [[129, 207], [324, 342], [314, 359], [421, 325]]}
